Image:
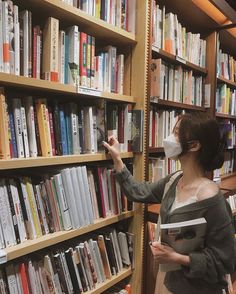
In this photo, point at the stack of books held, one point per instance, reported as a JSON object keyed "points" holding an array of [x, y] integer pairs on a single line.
{"points": [[77, 269]]}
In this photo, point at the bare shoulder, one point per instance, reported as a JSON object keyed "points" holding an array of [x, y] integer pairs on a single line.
{"points": [[207, 189]]}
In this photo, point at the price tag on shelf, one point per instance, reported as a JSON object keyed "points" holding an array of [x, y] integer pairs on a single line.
{"points": [[3, 256], [180, 59], [88, 91], [155, 48]]}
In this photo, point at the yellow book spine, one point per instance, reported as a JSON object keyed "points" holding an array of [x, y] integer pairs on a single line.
{"points": [[33, 206]]}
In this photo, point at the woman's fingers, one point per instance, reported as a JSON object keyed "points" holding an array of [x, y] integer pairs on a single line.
{"points": [[105, 144]]}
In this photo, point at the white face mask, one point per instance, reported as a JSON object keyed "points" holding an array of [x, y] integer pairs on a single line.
{"points": [[172, 148]]}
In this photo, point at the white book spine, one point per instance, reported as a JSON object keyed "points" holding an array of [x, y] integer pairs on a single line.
{"points": [[30, 117], [2, 241], [25, 16], [16, 105], [5, 36], [75, 130], [43, 214], [62, 57], [24, 132], [17, 40], [63, 202], [67, 274], [68, 186], [34, 285], [73, 35], [18, 210], [87, 193], [120, 74], [6, 217], [11, 279]]}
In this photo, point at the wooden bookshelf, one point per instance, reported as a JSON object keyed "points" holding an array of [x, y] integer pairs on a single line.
{"points": [[20, 82], [229, 83], [225, 115], [173, 59], [48, 240], [125, 273], [174, 104], [56, 160], [156, 150], [69, 14]]}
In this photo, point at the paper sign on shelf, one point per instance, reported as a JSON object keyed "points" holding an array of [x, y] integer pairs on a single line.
{"points": [[3, 256], [88, 91]]}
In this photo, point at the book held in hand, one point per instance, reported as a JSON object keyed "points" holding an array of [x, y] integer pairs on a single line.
{"points": [[184, 237]]}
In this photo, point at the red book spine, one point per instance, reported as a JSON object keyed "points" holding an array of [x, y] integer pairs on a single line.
{"points": [[83, 59], [23, 277], [153, 128]]}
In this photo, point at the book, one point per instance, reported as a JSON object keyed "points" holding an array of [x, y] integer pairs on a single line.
{"points": [[184, 237]]}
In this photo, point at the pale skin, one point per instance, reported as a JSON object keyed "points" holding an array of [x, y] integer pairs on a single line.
{"points": [[187, 186]]}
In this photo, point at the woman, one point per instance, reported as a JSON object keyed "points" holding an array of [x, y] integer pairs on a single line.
{"points": [[196, 143]]}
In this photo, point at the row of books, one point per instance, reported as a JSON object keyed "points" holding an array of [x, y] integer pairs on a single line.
{"points": [[169, 35], [65, 56], [161, 125], [227, 167], [120, 13], [120, 289], [161, 167], [32, 127], [232, 201], [174, 83], [68, 199], [227, 129], [76, 269], [225, 100], [226, 66]]}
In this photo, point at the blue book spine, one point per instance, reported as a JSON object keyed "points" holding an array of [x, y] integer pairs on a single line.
{"points": [[66, 59], [13, 135], [68, 131], [63, 132]]}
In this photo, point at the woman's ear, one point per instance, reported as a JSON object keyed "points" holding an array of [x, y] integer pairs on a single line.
{"points": [[194, 146]]}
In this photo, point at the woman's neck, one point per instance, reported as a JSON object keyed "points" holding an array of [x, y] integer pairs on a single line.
{"points": [[191, 170]]}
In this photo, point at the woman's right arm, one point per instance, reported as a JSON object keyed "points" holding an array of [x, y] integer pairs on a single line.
{"points": [[135, 191]]}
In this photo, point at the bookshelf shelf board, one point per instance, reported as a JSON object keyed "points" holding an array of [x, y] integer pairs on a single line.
{"points": [[156, 150], [90, 24], [48, 240], [56, 160], [173, 104], [230, 83], [228, 182], [42, 85], [168, 57], [111, 282], [224, 115]]}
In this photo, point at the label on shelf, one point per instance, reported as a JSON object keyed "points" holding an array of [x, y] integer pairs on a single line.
{"points": [[180, 59], [155, 48], [88, 91], [3, 256]]}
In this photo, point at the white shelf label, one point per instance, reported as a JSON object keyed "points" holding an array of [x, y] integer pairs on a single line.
{"points": [[88, 91], [3, 256], [180, 59], [155, 48]]}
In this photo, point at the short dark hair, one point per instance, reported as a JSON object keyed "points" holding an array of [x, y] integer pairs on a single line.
{"points": [[199, 126]]}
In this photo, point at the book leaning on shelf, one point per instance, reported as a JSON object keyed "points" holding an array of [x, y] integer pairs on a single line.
{"points": [[184, 237]]}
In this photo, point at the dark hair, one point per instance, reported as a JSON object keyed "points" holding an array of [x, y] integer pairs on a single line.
{"points": [[200, 127]]}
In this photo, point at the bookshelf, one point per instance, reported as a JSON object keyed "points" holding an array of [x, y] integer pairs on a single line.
{"points": [[197, 19], [134, 46]]}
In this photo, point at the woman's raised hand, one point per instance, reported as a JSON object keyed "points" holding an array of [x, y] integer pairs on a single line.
{"points": [[113, 148]]}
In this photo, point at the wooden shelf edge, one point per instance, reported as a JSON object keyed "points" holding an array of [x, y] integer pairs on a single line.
{"points": [[43, 85], [174, 59], [124, 273], [98, 27], [227, 176], [226, 81], [56, 160], [48, 240], [156, 149], [175, 104], [225, 115]]}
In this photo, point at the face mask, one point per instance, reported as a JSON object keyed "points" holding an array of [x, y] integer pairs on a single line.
{"points": [[172, 148]]}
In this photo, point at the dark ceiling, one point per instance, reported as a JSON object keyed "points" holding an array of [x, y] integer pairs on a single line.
{"points": [[232, 3]]}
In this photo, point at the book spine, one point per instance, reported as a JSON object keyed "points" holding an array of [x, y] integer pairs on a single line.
{"points": [[83, 59]]}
